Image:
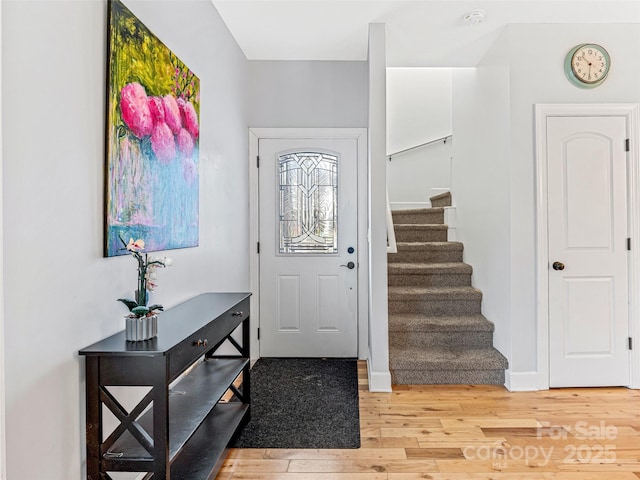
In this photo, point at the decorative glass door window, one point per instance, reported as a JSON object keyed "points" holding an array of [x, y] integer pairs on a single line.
{"points": [[308, 203]]}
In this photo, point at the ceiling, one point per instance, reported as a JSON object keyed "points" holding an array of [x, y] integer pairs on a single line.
{"points": [[427, 33]]}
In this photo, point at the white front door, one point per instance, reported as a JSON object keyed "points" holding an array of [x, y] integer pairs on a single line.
{"points": [[587, 229], [308, 247]]}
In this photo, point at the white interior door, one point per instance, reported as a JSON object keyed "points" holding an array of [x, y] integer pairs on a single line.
{"points": [[308, 247], [587, 228]]}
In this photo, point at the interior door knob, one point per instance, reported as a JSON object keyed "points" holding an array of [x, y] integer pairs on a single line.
{"points": [[349, 265], [558, 266]]}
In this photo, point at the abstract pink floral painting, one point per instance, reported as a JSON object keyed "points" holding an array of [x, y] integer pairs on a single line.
{"points": [[153, 131]]}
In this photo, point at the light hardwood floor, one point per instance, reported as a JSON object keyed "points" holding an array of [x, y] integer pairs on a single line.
{"points": [[469, 432]]}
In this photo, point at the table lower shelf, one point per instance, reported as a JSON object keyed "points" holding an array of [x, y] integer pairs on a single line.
{"points": [[196, 421], [206, 451]]}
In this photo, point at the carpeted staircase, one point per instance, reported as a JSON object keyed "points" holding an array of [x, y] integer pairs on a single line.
{"points": [[437, 334]]}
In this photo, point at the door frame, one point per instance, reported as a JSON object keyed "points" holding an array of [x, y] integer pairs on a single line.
{"points": [[631, 113], [3, 439], [360, 136]]}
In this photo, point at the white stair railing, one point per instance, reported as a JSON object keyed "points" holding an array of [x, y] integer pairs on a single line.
{"points": [[430, 142]]}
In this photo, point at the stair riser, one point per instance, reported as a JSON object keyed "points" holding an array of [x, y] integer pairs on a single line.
{"points": [[421, 235], [429, 280], [426, 256], [431, 218], [435, 307], [446, 202], [447, 377], [401, 340]]}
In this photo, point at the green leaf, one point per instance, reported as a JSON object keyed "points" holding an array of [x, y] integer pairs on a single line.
{"points": [[140, 311], [156, 307], [129, 303]]}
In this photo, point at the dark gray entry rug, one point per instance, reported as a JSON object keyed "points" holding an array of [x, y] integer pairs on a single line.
{"points": [[302, 403]]}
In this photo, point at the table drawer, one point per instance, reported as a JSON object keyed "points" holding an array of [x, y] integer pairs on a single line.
{"points": [[199, 343]]}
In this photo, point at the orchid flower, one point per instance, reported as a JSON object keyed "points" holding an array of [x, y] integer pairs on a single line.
{"points": [[147, 266], [135, 246]]}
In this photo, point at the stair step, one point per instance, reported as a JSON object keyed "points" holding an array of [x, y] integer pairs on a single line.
{"points": [[449, 339], [422, 331], [409, 232], [435, 300], [411, 322], [430, 268], [419, 215], [427, 252], [429, 274], [435, 293], [447, 365], [441, 200], [448, 377], [422, 340]]}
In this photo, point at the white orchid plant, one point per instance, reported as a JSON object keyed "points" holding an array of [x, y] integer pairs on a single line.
{"points": [[147, 266]]}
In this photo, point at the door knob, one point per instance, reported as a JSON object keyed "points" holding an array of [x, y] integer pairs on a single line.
{"points": [[558, 266], [349, 265]]}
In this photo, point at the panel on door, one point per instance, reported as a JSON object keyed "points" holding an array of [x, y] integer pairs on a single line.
{"points": [[588, 284], [308, 272]]}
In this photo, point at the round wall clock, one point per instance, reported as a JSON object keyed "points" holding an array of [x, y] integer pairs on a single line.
{"points": [[587, 65]]}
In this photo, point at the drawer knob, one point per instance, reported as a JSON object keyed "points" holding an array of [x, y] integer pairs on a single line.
{"points": [[202, 343], [237, 314]]}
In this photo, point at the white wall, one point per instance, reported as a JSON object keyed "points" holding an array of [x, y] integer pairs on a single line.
{"points": [[379, 376], [415, 176], [418, 106], [542, 48], [60, 293], [521, 54], [419, 110], [307, 94], [481, 185]]}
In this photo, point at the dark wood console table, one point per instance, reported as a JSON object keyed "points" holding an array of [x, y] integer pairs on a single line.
{"points": [[179, 429]]}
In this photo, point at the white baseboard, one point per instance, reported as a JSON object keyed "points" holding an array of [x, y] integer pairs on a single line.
{"points": [[379, 381], [521, 381]]}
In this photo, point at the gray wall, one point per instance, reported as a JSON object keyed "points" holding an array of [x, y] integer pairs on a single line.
{"points": [[308, 94], [60, 292]]}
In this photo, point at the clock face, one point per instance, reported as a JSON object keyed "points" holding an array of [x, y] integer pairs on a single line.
{"points": [[587, 65]]}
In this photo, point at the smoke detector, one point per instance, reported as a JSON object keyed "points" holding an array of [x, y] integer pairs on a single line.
{"points": [[475, 17]]}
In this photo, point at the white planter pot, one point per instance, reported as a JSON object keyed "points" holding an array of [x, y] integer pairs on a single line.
{"points": [[142, 328]]}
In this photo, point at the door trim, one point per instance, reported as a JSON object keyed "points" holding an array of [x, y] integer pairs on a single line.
{"points": [[358, 134], [631, 113], [3, 440]]}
